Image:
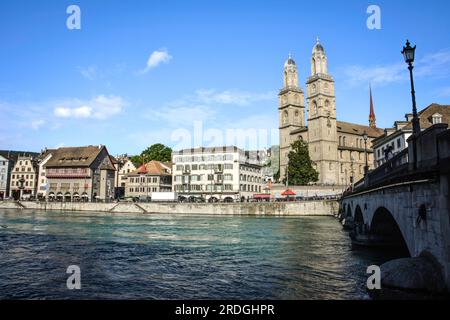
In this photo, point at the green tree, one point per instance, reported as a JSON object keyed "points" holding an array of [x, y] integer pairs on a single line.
{"points": [[158, 152], [300, 169], [276, 176]]}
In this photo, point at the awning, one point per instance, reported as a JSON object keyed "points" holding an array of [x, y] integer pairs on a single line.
{"points": [[261, 196], [288, 192]]}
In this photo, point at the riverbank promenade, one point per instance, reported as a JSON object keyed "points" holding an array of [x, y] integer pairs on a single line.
{"points": [[294, 208]]}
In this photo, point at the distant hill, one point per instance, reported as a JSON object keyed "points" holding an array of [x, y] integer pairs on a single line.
{"points": [[13, 155]]}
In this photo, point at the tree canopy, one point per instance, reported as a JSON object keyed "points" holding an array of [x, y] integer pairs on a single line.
{"points": [[301, 168], [158, 152]]}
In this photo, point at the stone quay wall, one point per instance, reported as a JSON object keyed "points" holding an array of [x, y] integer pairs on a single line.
{"points": [[298, 208]]}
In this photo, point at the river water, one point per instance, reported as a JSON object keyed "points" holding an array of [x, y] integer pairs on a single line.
{"points": [[127, 256]]}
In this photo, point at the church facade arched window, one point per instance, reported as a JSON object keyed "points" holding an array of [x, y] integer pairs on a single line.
{"points": [[327, 106], [285, 117]]}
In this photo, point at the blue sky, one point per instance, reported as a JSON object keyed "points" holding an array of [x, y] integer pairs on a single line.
{"points": [[218, 62]]}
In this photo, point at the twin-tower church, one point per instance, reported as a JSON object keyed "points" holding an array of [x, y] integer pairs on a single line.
{"points": [[336, 147]]}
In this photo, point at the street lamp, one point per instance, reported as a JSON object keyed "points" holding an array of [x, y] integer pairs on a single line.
{"points": [[408, 54], [365, 137]]}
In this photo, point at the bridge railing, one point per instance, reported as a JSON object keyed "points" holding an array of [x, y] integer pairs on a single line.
{"points": [[433, 149], [395, 166]]}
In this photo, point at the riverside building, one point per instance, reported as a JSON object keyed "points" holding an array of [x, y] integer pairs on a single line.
{"points": [[154, 176], [216, 174], [80, 174], [24, 177]]}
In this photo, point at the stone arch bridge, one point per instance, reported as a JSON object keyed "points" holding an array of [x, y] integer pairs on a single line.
{"points": [[405, 204]]}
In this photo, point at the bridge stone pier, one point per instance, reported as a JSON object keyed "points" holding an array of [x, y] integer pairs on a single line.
{"points": [[405, 204]]}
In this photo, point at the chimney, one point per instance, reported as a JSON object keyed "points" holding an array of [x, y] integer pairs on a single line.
{"points": [[409, 117]]}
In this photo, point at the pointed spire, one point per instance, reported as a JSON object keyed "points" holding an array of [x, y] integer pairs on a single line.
{"points": [[318, 40], [372, 118], [290, 55]]}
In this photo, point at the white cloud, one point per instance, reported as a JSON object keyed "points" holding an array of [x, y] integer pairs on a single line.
{"points": [[156, 58], [90, 72], [99, 107], [183, 115], [37, 123], [241, 98], [431, 65]]}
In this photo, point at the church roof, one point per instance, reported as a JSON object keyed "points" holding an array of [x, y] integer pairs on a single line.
{"points": [[289, 61], [357, 129], [318, 46]]}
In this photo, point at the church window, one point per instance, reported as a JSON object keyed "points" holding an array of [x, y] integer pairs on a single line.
{"points": [[297, 117], [313, 64], [285, 117], [343, 141], [342, 168], [331, 166], [314, 107], [327, 105]]}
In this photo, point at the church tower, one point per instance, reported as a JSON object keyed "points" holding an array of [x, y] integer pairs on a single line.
{"points": [[291, 111], [322, 128]]}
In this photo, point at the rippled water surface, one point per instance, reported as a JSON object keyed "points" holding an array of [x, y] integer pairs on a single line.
{"points": [[125, 256]]}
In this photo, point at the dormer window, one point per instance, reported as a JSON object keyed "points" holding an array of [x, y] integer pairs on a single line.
{"points": [[436, 118]]}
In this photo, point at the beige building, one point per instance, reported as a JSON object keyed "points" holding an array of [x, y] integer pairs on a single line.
{"points": [[217, 174], [154, 176], [395, 139], [24, 177], [80, 174], [337, 148]]}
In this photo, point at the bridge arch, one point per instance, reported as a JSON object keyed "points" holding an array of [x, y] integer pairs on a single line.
{"points": [[385, 230], [349, 211], [359, 218]]}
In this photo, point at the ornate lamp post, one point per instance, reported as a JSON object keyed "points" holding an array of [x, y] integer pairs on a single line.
{"points": [[408, 54], [366, 167]]}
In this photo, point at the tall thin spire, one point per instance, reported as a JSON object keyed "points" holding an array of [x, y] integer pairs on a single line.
{"points": [[372, 118]]}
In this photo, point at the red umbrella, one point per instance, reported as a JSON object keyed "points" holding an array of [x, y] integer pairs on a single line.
{"points": [[288, 192]]}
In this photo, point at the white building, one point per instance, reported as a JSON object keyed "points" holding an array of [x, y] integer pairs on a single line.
{"points": [[5, 168], [216, 174], [395, 140], [127, 168], [43, 186]]}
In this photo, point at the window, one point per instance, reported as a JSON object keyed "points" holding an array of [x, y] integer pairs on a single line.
{"points": [[399, 143], [285, 117], [436, 118], [314, 107]]}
